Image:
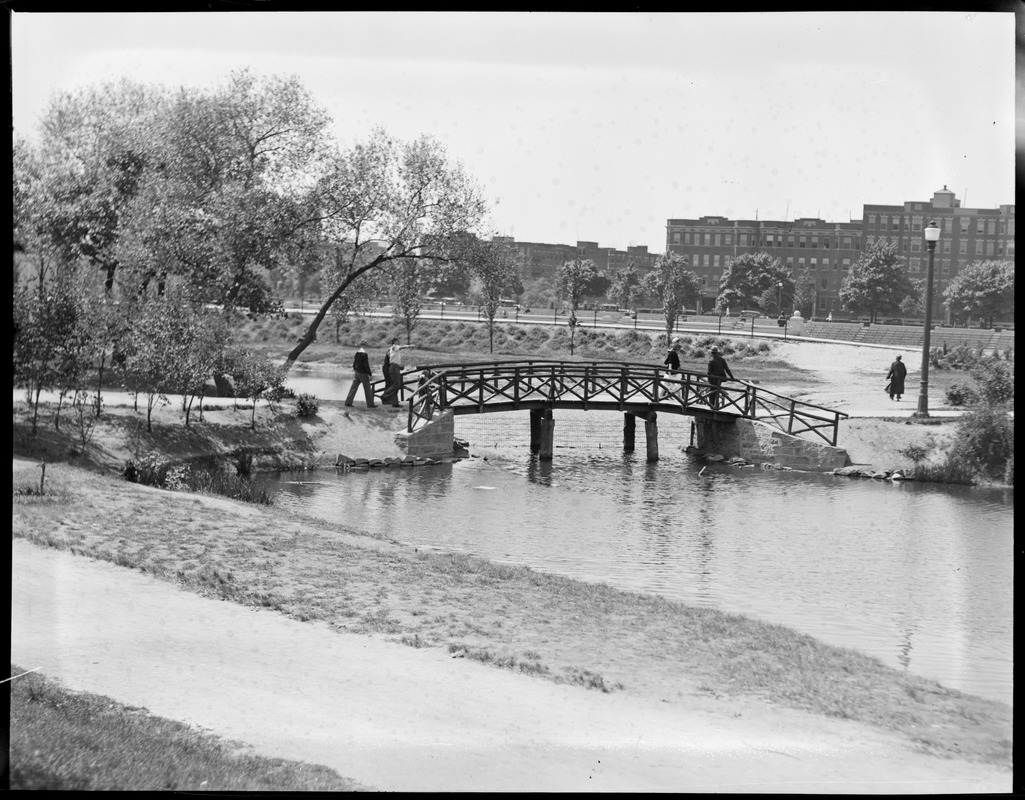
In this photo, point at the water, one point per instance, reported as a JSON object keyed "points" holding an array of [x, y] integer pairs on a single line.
{"points": [[918, 575]]}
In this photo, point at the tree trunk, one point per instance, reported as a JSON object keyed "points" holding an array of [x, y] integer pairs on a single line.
{"points": [[60, 402], [35, 410], [99, 385]]}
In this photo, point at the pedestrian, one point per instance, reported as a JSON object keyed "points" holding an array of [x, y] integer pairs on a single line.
{"points": [[361, 376], [393, 391], [727, 311], [718, 371], [673, 358], [830, 317], [896, 377]]}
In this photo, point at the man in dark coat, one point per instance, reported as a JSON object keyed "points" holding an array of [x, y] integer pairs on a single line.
{"points": [[673, 358], [896, 377], [361, 376], [718, 371]]}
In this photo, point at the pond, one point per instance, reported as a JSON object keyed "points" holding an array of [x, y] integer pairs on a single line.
{"points": [[919, 575]]}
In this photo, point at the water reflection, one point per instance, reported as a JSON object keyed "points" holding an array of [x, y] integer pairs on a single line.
{"points": [[917, 575]]}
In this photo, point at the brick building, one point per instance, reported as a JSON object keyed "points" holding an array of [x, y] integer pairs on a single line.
{"points": [[828, 249], [541, 260]]}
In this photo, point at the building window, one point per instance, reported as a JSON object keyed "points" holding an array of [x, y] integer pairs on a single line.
{"points": [[846, 263], [916, 223], [847, 242], [916, 246], [825, 243], [815, 242], [989, 248], [727, 239], [800, 262], [707, 260], [790, 241], [814, 263], [825, 283], [964, 224], [946, 245], [717, 238], [895, 225], [963, 248], [1010, 248], [825, 264], [980, 226], [715, 261], [743, 240], [708, 239], [676, 238], [803, 241]]}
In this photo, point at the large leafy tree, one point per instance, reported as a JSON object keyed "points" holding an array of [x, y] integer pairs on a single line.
{"points": [[877, 283], [752, 280], [983, 289], [231, 192], [410, 281], [95, 149], [673, 285], [383, 201]]}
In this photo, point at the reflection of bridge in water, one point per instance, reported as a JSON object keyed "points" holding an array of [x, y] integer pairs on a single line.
{"points": [[635, 390]]}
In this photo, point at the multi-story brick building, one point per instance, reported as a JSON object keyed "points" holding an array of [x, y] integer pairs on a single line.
{"points": [[541, 260], [828, 249]]}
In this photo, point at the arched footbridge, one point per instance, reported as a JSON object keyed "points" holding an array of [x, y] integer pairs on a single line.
{"points": [[635, 389]]}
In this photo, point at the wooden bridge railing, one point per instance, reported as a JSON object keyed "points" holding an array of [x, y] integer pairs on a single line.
{"points": [[603, 385]]}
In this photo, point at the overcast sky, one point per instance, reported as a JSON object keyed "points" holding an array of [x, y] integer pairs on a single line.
{"points": [[600, 127]]}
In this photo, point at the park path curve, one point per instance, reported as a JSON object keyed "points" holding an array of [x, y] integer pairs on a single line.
{"points": [[397, 718]]}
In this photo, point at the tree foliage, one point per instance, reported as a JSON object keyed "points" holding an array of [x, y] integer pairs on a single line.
{"points": [[494, 267], [624, 285], [877, 283], [383, 201], [752, 280], [673, 285], [982, 289]]}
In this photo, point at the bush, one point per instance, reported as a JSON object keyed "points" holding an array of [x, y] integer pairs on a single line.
{"points": [[962, 394], [306, 406], [984, 441]]}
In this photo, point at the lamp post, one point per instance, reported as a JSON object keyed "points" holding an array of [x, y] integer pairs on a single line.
{"points": [[779, 302], [932, 235]]}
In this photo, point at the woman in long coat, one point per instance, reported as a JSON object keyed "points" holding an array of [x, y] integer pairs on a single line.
{"points": [[896, 377]]}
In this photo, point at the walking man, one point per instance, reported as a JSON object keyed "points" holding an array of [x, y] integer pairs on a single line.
{"points": [[896, 377], [718, 371], [361, 376], [673, 357]]}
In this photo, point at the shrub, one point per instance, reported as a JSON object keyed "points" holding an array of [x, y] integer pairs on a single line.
{"points": [[984, 441], [306, 406], [962, 394], [995, 379]]}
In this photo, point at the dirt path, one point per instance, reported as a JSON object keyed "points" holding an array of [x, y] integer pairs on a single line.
{"points": [[398, 718]]}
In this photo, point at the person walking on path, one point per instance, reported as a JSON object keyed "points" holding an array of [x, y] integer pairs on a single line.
{"points": [[673, 357], [361, 376], [896, 377], [395, 361], [718, 371]]}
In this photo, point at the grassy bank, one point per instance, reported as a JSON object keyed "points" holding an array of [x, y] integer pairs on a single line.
{"points": [[511, 617], [113, 747]]}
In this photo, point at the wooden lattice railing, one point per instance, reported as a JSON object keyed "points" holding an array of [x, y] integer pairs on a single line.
{"points": [[602, 385]]}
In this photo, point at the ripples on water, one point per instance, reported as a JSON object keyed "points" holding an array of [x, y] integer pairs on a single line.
{"points": [[920, 576]]}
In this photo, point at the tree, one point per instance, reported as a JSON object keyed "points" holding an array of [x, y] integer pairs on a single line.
{"points": [[254, 376], [623, 286], [410, 282], [751, 279], [674, 285], [385, 201], [877, 282], [804, 293], [232, 189], [983, 289], [96, 147], [494, 267], [572, 280]]}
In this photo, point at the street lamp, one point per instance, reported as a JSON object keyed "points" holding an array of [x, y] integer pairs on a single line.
{"points": [[779, 302], [932, 235]]}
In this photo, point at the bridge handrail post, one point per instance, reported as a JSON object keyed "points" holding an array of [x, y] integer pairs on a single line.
{"points": [[790, 422]]}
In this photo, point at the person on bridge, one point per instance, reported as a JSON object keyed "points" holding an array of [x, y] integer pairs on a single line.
{"points": [[361, 376], [673, 357], [718, 371], [898, 371], [394, 378]]}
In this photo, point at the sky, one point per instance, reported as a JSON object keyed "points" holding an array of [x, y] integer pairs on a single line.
{"points": [[601, 126]]}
